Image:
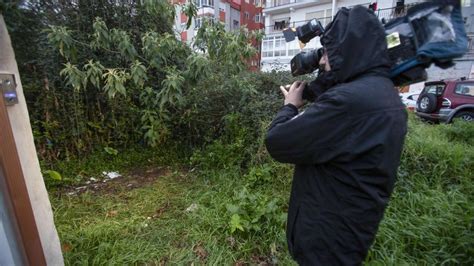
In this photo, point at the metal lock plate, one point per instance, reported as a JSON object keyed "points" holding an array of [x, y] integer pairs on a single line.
{"points": [[8, 88]]}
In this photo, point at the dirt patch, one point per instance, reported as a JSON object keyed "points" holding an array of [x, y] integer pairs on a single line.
{"points": [[162, 209], [131, 180], [261, 260], [200, 252]]}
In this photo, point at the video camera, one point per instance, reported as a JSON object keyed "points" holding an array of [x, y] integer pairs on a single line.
{"points": [[305, 62], [430, 32]]}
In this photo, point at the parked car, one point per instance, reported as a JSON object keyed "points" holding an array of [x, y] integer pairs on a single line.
{"points": [[445, 100], [409, 99]]}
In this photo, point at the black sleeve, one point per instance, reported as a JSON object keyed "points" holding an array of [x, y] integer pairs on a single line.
{"points": [[314, 136]]}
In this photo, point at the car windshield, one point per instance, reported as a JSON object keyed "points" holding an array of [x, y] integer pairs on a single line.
{"points": [[436, 89]]}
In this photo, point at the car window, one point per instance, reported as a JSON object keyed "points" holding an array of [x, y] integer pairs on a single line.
{"points": [[465, 89], [413, 97], [434, 89]]}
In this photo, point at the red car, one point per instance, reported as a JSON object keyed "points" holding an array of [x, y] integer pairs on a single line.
{"points": [[445, 100]]}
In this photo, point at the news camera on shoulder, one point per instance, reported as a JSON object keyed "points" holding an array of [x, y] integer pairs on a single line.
{"points": [[431, 32]]}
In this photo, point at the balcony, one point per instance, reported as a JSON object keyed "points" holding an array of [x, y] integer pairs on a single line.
{"points": [[390, 13], [386, 14], [283, 6], [274, 46]]}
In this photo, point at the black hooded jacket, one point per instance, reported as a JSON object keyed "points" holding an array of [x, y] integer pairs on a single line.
{"points": [[346, 146]]}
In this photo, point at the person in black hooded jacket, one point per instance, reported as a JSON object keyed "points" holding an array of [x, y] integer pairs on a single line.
{"points": [[346, 145]]}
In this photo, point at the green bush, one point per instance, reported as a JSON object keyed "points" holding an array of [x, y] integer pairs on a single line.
{"points": [[254, 212]]}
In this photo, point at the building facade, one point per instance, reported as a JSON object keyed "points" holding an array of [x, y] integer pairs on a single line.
{"points": [[279, 14], [233, 13]]}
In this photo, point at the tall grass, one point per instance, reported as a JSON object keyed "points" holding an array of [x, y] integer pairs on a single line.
{"points": [[429, 219]]}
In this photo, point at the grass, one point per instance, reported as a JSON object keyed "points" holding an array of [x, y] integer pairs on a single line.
{"points": [[149, 225], [429, 219]]}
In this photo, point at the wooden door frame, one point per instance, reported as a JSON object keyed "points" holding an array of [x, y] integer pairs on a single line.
{"points": [[17, 193]]}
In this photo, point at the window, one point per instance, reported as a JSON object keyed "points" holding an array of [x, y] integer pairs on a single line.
{"points": [[197, 23], [267, 47], [413, 97], [293, 52], [280, 46], [465, 89], [434, 89], [316, 15], [324, 16], [235, 24], [267, 54], [279, 25], [257, 18], [274, 47], [258, 3], [200, 20], [280, 2], [246, 15], [204, 3]]}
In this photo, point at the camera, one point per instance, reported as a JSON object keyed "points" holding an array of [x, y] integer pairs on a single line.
{"points": [[305, 62], [430, 32]]}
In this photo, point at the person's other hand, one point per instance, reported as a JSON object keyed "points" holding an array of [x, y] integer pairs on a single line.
{"points": [[295, 94]]}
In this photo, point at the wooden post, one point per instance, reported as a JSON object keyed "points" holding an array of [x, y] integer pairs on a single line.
{"points": [[22, 182], [18, 193]]}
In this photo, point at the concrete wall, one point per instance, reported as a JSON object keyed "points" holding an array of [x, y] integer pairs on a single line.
{"points": [[22, 132]]}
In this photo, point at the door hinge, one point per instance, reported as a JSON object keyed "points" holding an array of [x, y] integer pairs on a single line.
{"points": [[8, 88]]}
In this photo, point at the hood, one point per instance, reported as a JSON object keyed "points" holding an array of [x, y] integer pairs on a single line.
{"points": [[355, 43]]}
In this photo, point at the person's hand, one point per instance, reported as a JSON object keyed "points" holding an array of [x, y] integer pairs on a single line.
{"points": [[295, 93]]}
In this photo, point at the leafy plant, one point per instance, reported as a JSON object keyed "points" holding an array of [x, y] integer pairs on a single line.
{"points": [[253, 212], [111, 151], [53, 175]]}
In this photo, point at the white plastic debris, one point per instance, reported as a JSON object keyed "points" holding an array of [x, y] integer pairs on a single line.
{"points": [[92, 179], [111, 175], [192, 207]]}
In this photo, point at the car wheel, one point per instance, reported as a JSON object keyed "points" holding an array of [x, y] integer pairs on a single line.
{"points": [[427, 103], [464, 116]]}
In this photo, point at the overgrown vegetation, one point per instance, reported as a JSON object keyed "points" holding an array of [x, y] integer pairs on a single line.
{"points": [[240, 207], [110, 88]]}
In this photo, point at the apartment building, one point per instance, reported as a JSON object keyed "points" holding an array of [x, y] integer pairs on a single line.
{"points": [[233, 13], [280, 14]]}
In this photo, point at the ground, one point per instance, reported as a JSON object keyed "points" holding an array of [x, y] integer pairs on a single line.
{"points": [[169, 209], [155, 216]]}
